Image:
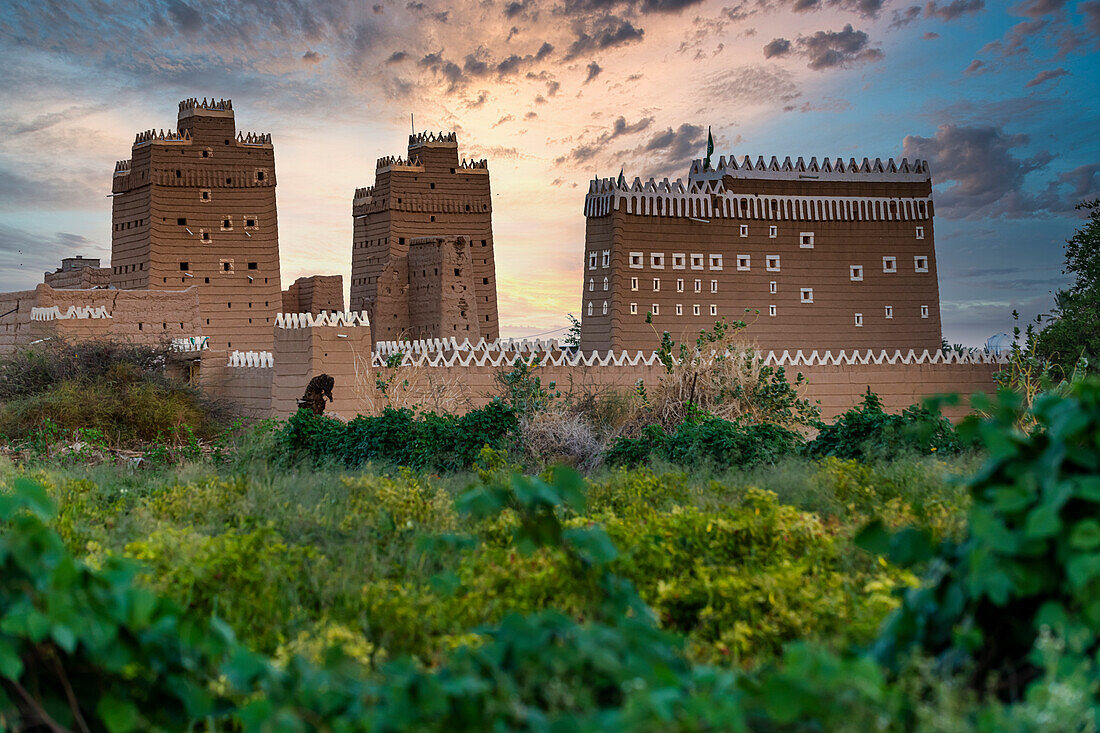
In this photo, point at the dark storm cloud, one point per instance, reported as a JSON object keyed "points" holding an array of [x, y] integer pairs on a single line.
{"points": [[397, 57], [312, 57], [1045, 76], [986, 178], [777, 47], [828, 49], [184, 16], [611, 33], [1083, 181]]}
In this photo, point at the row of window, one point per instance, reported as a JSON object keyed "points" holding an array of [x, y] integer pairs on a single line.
{"points": [[888, 312], [129, 224], [227, 266], [771, 263], [227, 222], [258, 175]]}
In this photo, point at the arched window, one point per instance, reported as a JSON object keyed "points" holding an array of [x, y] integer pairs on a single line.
{"points": [[605, 307], [590, 309], [591, 285], [605, 283]]}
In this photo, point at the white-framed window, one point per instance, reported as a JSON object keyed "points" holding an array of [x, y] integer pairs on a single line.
{"points": [[889, 264], [716, 262], [859, 320], [807, 295], [889, 311], [771, 310], [744, 262], [589, 307], [771, 263], [657, 260], [713, 309], [591, 285], [744, 230], [806, 240], [633, 309], [696, 261], [773, 231], [605, 258], [773, 287], [605, 283], [695, 309], [679, 261], [680, 285], [924, 311], [605, 307], [633, 283], [855, 273], [656, 284], [698, 285], [920, 232], [679, 309], [636, 260], [714, 286], [920, 263], [591, 260], [656, 309]]}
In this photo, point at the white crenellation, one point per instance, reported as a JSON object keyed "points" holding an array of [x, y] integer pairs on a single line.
{"points": [[255, 359], [827, 170], [53, 313], [192, 343], [350, 319]]}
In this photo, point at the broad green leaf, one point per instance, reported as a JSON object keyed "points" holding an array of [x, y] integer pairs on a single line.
{"points": [[120, 716]]}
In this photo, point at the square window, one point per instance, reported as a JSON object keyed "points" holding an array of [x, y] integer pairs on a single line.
{"points": [[771, 263], [227, 223], [226, 267], [633, 309], [656, 309], [636, 259], [206, 236], [920, 232], [185, 266], [695, 309], [773, 231], [250, 222], [605, 258], [252, 265], [633, 283], [743, 262], [678, 261], [855, 273], [656, 284], [773, 287], [807, 295], [679, 309], [713, 310], [181, 222], [205, 196], [806, 240], [657, 260], [680, 285], [889, 311], [859, 320], [698, 285], [697, 262], [259, 175], [716, 262], [771, 310], [920, 263], [744, 230], [924, 311], [714, 286], [889, 264], [592, 260]]}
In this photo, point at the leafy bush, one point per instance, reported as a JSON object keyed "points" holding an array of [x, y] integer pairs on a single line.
{"points": [[401, 437], [869, 432], [712, 440]]}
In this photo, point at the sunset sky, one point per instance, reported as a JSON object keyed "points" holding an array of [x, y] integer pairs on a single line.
{"points": [[1000, 97]]}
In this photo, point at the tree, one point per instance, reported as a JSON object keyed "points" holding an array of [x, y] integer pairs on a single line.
{"points": [[1075, 330]]}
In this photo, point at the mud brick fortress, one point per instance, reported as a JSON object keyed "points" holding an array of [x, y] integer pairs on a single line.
{"points": [[835, 261]]}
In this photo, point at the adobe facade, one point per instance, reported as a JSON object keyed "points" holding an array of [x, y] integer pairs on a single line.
{"points": [[442, 204], [195, 207], [315, 294], [829, 255], [79, 272]]}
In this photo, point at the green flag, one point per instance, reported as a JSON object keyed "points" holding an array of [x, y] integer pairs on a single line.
{"points": [[710, 149], [622, 180]]}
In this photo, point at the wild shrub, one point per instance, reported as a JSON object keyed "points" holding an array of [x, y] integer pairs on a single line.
{"points": [[868, 432], [711, 440]]}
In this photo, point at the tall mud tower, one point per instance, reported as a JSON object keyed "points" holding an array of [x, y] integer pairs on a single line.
{"points": [[196, 207], [434, 201]]}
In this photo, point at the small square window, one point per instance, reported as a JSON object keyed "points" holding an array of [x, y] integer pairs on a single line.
{"points": [[251, 265], [697, 262], [679, 261], [633, 283], [226, 266], [924, 311], [657, 260], [695, 309], [713, 310], [743, 262], [656, 284], [920, 263], [680, 285], [807, 295], [771, 263], [714, 286], [592, 260], [185, 266], [771, 310], [633, 309], [250, 222], [206, 236], [259, 175], [181, 222], [920, 232], [698, 285], [656, 309], [806, 240], [889, 311], [744, 230], [773, 231], [773, 287], [636, 259], [679, 309], [716, 262], [859, 320], [855, 273], [205, 195], [889, 264]]}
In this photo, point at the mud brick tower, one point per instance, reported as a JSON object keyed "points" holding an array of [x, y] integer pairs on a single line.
{"points": [[196, 206], [422, 251], [831, 255]]}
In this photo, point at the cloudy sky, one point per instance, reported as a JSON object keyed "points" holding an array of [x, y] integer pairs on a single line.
{"points": [[999, 96]]}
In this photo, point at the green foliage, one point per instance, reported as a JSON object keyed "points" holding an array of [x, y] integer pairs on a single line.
{"points": [[522, 388], [400, 437], [572, 338], [712, 440], [868, 431]]}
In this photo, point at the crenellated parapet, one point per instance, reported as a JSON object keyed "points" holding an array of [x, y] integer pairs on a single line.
{"points": [[419, 139], [191, 104], [251, 359], [350, 319], [474, 166], [835, 169], [54, 313], [390, 162], [169, 136]]}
